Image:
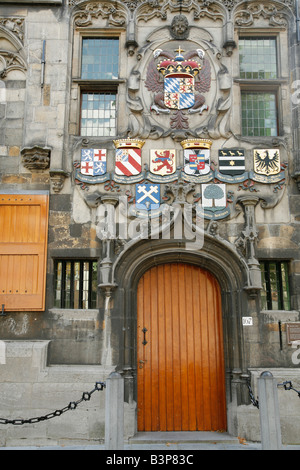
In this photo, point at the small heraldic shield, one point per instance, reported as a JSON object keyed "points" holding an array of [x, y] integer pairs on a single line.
{"points": [[231, 162], [93, 162], [162, 162], [128, 161], [197, 161], [267, 161], [213, 196], [147, 196], [196, 156]]}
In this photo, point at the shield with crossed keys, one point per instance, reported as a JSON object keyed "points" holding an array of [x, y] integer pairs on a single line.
{"points": [[147, 196]]}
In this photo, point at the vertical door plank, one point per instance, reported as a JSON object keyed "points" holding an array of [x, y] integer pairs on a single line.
{"points": [[198, 350], [190, 293], [183, 348], [140, 357], [154, 349], [174, 308], [162, 313], [171, 390], [147, 353]]}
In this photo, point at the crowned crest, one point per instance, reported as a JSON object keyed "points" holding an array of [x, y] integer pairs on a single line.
{"points": [[185, 78], [179, 86], [128, 161], [196, 156]]}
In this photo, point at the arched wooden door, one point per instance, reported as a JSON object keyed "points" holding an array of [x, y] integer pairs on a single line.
{"points": [[181, 380]]}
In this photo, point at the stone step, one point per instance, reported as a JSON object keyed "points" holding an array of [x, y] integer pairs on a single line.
{"points": [[181, 437]]}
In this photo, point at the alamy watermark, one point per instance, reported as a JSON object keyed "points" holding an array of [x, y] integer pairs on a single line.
{"points": [[296, 94], [169, 221], [296, 354]]}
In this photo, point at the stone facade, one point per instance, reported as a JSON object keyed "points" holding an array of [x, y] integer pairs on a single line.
{"points": [[40, 150]]}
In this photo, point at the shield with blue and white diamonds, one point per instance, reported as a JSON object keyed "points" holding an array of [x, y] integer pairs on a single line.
{"points": [[179, 91]]}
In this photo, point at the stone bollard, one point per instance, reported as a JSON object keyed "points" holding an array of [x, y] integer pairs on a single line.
{"points": [[114, 412], [269, 412]]}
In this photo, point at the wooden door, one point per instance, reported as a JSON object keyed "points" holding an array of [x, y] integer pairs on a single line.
{"points": [[23, 251], [181, 380]]}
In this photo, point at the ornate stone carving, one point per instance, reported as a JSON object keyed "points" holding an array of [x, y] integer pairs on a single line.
{"points": [[183, 121], [271, 12], [10, 61], [57, 178], [12, 58], [14, 26], [247, 241], [91, 11], [36, 158], [179, 28]]}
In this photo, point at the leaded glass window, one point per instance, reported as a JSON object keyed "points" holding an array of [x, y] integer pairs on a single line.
{"points": [[98, 114], [100, 59], [259, 114], [275, 294], [258, 58], [100, 72]]}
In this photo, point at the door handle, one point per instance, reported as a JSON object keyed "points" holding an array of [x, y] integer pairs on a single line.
{"points": [[144, 330], [141, 364]]}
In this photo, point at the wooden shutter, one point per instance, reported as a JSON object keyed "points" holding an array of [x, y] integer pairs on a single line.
{"points": [[23, 251]]}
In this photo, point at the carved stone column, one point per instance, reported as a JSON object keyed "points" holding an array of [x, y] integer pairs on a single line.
{"points": [[107, 234], [247, 242]]}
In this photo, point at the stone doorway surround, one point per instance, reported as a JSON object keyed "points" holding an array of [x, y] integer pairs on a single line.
{"points": [[232, 273]]}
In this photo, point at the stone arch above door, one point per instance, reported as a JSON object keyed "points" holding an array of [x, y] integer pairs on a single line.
{"points": [[220, 260], [231, 272]]}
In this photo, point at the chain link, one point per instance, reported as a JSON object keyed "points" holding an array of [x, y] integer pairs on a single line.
{"points": [[252, 397], [286, 385], [289, 386], [86, 396]]}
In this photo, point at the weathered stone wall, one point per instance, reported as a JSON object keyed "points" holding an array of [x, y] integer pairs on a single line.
{"points": [[40, 144], [30, 389]]}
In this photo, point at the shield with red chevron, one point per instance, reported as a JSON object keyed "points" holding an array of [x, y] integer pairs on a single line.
{"points": [[128, 161]]}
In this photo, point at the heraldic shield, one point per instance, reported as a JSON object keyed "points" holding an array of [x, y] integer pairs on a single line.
{"points": [[147, 196], [231, 162], [267, 161], [93, 162], [179, 91], [128, 161], [179, 79], [163, 162], [196, 161]]}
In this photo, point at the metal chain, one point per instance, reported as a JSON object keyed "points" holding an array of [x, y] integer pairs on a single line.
{"points": [[86, 396], [252, 397], [289, 386]]}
